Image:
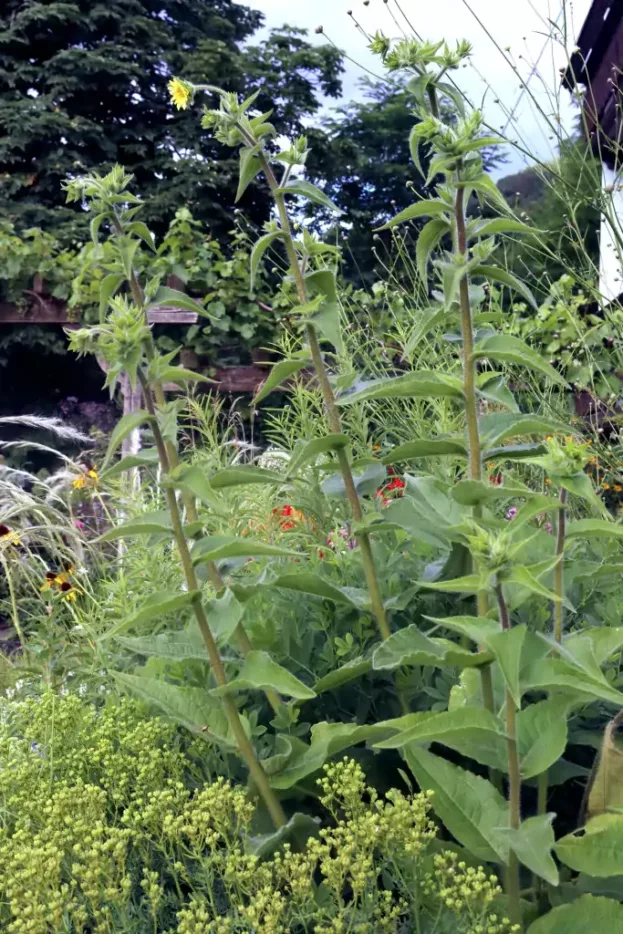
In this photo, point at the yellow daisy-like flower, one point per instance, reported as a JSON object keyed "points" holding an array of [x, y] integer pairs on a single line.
{"points": [[8, 537], [181, 93], [88, 478]]}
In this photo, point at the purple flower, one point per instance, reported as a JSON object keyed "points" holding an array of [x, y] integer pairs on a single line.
{"points": [[512, 512]]}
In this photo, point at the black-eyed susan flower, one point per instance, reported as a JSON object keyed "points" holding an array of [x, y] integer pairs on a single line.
{"points": [[8, 536], [181, 93], [68, 591], [88, 478]]}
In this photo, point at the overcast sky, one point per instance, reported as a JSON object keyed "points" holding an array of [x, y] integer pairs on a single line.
{"points": [[525, 27]]}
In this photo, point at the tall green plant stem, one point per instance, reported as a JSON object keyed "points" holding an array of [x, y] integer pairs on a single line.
{"points": [[559, 618], [514, 779], [216, 579], [333, 416], [245, 748], [559, 573], [471, 405]]}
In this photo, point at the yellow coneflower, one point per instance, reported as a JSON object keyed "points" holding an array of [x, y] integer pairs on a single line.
{"points": [[85, 479], [547, 481], [617, 487], [181, 93], [605, 486], [8, 536]]}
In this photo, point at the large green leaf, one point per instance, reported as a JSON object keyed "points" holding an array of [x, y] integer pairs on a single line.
{"points": [[427, 320], [506, 645], [593, 528], [505, 278], [224, 612], [495, 389], [365, 483], [604, 640], [476, 628], [314, 584], [147, 457], [487, 228], [178, 646], [596, 848], [585, 915], [433, 447], [157, 604], [500, 426], [472, 731], [312, 449], [430, 207], [550, 674], [172, 297], [279, 374], [260, 673], [409, 385], [194, 480], [542, 735], [298, 829], [409, 646], [352, 670], [513, 350], [191, 707], [580, 484], [215, 547], [124, 427], [469, 806], [533, 842], [242, 475], [327, 739], [298, 186], [146, 524], [474, 492], [429, 237], [259, 248], [326, 320], [250, 166]]}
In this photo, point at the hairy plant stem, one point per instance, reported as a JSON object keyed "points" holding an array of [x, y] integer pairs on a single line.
{"points": [[559, 573], [333, 416], [514, 779], [245, 747], [471, 413], [214, 575], [559, 618]]}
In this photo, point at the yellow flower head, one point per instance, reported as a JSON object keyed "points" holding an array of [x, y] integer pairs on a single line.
{"points": [[181, 93], [88, 478], [8, 537]]}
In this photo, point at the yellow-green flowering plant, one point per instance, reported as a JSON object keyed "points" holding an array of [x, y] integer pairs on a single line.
{"points": [[127, 834]]}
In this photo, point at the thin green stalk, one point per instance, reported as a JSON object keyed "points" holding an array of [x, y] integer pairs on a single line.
{"points": [[245, 748], [471, 409], [214, 575], [333, 416], [14, 610], [559, 573], [514, 780], [559, 618]]}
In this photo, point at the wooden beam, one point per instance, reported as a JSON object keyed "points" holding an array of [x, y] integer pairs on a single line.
{"points": [[50, 311]]}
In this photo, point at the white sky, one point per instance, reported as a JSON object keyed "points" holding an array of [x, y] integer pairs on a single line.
{"points": [[524, 25]]}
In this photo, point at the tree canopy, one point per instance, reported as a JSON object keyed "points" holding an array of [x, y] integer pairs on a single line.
{"points": [[83, 84]]}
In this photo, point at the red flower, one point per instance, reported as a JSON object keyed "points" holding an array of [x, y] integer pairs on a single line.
{"points": [[495, 479], [395, 484]]}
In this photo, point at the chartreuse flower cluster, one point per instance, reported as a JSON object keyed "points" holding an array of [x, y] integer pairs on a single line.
{"points": [[108, 826]]}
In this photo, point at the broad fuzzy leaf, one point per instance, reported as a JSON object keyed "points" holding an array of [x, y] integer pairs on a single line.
{"points": [[312, 449], [408, 386], [513, 350], [435, 447], [496, 274], [533, 842], [124, 427], [428, 239], [299, 186], [259, 248], [178, 646], [344, 675], [409, 646], [260, 673], [176, 299], [583, 916], [191, 707], [147, 524], [216, 547], [542, 735], [158, 604], [469, 806], [430, 207], [147, 457], [596, 848], [278, 375], [245, 474]]}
